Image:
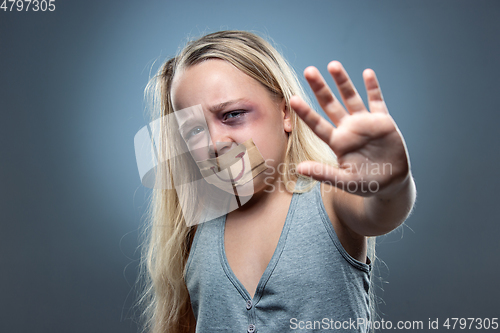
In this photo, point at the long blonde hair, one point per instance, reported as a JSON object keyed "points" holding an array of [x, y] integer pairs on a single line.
{"points": [[167, 238]]}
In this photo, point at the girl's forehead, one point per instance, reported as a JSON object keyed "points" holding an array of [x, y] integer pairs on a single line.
{"points": [[213, 82]]}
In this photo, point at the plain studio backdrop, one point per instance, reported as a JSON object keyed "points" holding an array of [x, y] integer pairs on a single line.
{"points": [[71, 100]]}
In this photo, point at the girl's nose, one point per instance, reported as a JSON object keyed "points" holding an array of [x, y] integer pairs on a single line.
{"points": [[221, 142], [220, 148]]}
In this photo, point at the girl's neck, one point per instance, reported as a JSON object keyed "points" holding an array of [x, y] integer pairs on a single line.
{"points": [[265, 199]]}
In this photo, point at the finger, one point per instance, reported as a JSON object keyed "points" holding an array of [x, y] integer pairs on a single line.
{"points": [[376, 101], [348, 92], [318, 124], [325, 173], [326, 99]]}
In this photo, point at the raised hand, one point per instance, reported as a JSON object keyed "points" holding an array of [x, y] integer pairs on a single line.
{"points": [[370, 149]]}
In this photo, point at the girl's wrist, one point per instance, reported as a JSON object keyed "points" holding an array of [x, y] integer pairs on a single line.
{"points": [[397, 189]]}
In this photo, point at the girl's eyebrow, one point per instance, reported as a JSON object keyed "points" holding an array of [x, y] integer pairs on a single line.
{"points": [[219, 107]]}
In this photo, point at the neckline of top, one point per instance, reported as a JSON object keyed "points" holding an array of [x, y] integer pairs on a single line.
{"points": [[272, 263]]}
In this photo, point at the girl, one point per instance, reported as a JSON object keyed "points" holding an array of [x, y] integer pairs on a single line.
{"points": [[293, 253]]}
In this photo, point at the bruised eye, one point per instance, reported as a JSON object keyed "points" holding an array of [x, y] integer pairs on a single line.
{"points": [[232, 115], [195, 131]]}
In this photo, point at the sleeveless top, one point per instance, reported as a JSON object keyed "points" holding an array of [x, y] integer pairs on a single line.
{"points": [[311, 283]]}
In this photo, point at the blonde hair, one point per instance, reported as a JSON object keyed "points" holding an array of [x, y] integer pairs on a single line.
{"points": [[167, 238]]}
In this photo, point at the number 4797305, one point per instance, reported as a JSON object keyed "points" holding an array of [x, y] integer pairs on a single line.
{"points": [[477, 323], [26, 5]]}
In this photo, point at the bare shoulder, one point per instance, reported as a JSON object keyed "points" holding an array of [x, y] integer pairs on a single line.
{"points": [[339, 207]]}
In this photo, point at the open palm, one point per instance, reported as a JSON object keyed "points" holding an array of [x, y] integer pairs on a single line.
{"points": [[370, 149]]}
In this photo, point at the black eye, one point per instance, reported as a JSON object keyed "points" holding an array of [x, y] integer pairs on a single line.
{"points": [[195, 131], [232, 115]]}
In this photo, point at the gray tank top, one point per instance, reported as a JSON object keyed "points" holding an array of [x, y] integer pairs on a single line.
{"points": [[311, 283]]}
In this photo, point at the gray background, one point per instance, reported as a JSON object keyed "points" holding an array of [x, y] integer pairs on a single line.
{"points": [[71, 100]]}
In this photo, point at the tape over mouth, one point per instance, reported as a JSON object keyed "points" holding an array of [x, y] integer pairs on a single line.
{"points": [[237, 167]]}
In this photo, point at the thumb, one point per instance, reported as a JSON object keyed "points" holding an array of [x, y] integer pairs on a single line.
{"points": [[320, 171]]}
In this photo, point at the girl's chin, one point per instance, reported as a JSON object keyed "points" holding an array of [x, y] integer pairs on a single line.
{"points": [[244, 190]]}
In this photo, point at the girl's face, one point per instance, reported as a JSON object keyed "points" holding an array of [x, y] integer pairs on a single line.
{"points": [[236, 108]]}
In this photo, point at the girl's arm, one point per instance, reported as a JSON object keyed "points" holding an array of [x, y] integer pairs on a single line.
{"points": [[375, 215], [377, 188], [384, 212]]}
